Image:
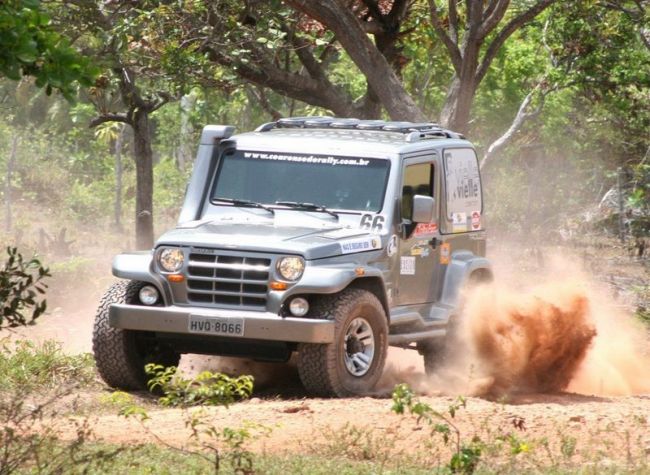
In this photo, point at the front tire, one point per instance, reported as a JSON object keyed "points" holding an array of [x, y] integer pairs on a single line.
{"points": [[354, 362], [120, 355]]}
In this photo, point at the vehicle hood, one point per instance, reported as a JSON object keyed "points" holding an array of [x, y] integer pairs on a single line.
{"points": [[309, 242]]}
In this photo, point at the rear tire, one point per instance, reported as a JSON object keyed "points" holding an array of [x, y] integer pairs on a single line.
{"points": [[354, 362], [121, 354], [436, 353]]}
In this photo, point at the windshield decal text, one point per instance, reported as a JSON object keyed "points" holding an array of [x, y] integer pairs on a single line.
{"points": [[308, 159]]}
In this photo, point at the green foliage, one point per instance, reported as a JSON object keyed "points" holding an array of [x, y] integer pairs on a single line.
{"points": [[170, 188], [125, 405], [29, 46], [29, 366], [213, 389], [466, 455], [21, 283], [211, 443]]}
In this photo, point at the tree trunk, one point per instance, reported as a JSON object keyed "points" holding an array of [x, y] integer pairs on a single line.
{"points": [[184, 153], [456, 111], [119, 143], [10, 169], [144, 179]]}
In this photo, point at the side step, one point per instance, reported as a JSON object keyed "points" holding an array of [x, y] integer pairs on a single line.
{"points": [[405, 339]]}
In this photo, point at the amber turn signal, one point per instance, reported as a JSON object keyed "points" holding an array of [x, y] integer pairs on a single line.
{"points": [[175, 278], [278, 285]]}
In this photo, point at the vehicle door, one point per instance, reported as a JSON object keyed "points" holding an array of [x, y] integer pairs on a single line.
{"points": [[419, 254]]}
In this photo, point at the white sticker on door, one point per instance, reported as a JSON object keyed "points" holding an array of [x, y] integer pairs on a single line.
{"points": [[407, 265]]}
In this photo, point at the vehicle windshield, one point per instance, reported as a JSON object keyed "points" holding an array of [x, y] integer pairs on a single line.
{"points": [[342, 183]]}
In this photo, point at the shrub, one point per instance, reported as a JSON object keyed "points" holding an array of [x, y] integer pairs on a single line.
{"points": [[207, 388], [26, 365], [21, 282]]}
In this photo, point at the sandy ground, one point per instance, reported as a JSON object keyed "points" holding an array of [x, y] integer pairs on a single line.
{"points": [[603, 422]]}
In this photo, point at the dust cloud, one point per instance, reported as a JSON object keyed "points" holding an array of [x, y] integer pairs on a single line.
{"points": [[562, 334]]}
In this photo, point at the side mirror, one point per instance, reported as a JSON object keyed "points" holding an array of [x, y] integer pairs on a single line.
{"points": [[423, 208]]}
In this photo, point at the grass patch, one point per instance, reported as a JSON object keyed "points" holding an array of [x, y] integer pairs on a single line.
{"points": [[154, 459], [32, 366]]}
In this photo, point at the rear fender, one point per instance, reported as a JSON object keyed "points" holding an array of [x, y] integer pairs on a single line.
{"points": [[462, 265]]}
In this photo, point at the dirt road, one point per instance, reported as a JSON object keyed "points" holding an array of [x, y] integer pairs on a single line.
{"points": [[604, 414]]}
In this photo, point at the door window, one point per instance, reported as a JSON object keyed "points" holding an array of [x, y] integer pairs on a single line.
{"points": [[463, 185], [418, 180]]}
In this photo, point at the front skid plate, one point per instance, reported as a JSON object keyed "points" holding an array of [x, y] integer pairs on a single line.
{"points": [[258, 325]]}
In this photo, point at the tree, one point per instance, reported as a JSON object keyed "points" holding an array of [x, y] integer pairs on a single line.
{"points": [[295, 51], [29, 46], [116, 30]]}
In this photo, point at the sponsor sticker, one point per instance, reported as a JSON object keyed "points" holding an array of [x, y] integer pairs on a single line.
{"points": [[422, 229], [420, 248], [360, 245], [445, 253], [476, 221], [459, 222], [407, 265], [391, 249]]}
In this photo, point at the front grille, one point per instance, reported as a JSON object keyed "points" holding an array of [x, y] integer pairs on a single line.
{"points": [[231, 281]]}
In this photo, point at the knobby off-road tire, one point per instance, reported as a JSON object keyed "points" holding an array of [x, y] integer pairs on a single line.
{"points": [[322, 367], [435, 353], [121, 354]]}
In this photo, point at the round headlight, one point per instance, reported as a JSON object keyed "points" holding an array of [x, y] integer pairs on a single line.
{"points": [[290, 268], [299, 307], [148, 295], [171, 259]]}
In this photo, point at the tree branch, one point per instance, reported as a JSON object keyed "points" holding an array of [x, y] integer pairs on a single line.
{"points": [[296, 86], [260, 95], [365, 54], [522, 116], [492, 16], [453, 21], [505, 33], [452, 47], [109, 118]]}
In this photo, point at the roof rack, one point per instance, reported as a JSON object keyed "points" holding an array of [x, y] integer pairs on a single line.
{"points": [[413, 131]]}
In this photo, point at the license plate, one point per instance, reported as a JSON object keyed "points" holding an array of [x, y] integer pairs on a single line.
{"points": [[231, 326]]}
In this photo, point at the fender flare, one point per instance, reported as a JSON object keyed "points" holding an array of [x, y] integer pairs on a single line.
{"points": [[138, 266], [462, 265], [338, 277]]}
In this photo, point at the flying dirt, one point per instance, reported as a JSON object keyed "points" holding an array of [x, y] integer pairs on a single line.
{"points": [[563, 334]]}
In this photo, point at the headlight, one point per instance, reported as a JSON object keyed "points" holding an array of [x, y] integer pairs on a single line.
{"points": [[290, 268], [171, 259]]}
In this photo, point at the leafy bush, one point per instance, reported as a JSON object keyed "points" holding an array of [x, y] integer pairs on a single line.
{"points": [[28, 366], [466, 456], [214, 389], [20, 283], [208, 442]]}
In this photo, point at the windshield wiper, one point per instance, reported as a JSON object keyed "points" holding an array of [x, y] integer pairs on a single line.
{"points": [[247, 203], [307, 207]]}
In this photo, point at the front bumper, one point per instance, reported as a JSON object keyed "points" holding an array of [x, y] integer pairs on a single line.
{"points": [[258, 325]]}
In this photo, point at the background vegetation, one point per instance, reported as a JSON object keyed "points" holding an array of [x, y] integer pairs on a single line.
{"points": [[103, 102]]}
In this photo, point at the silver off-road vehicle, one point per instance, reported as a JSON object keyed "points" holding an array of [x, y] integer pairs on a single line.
{"points": [[331, 238]]}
